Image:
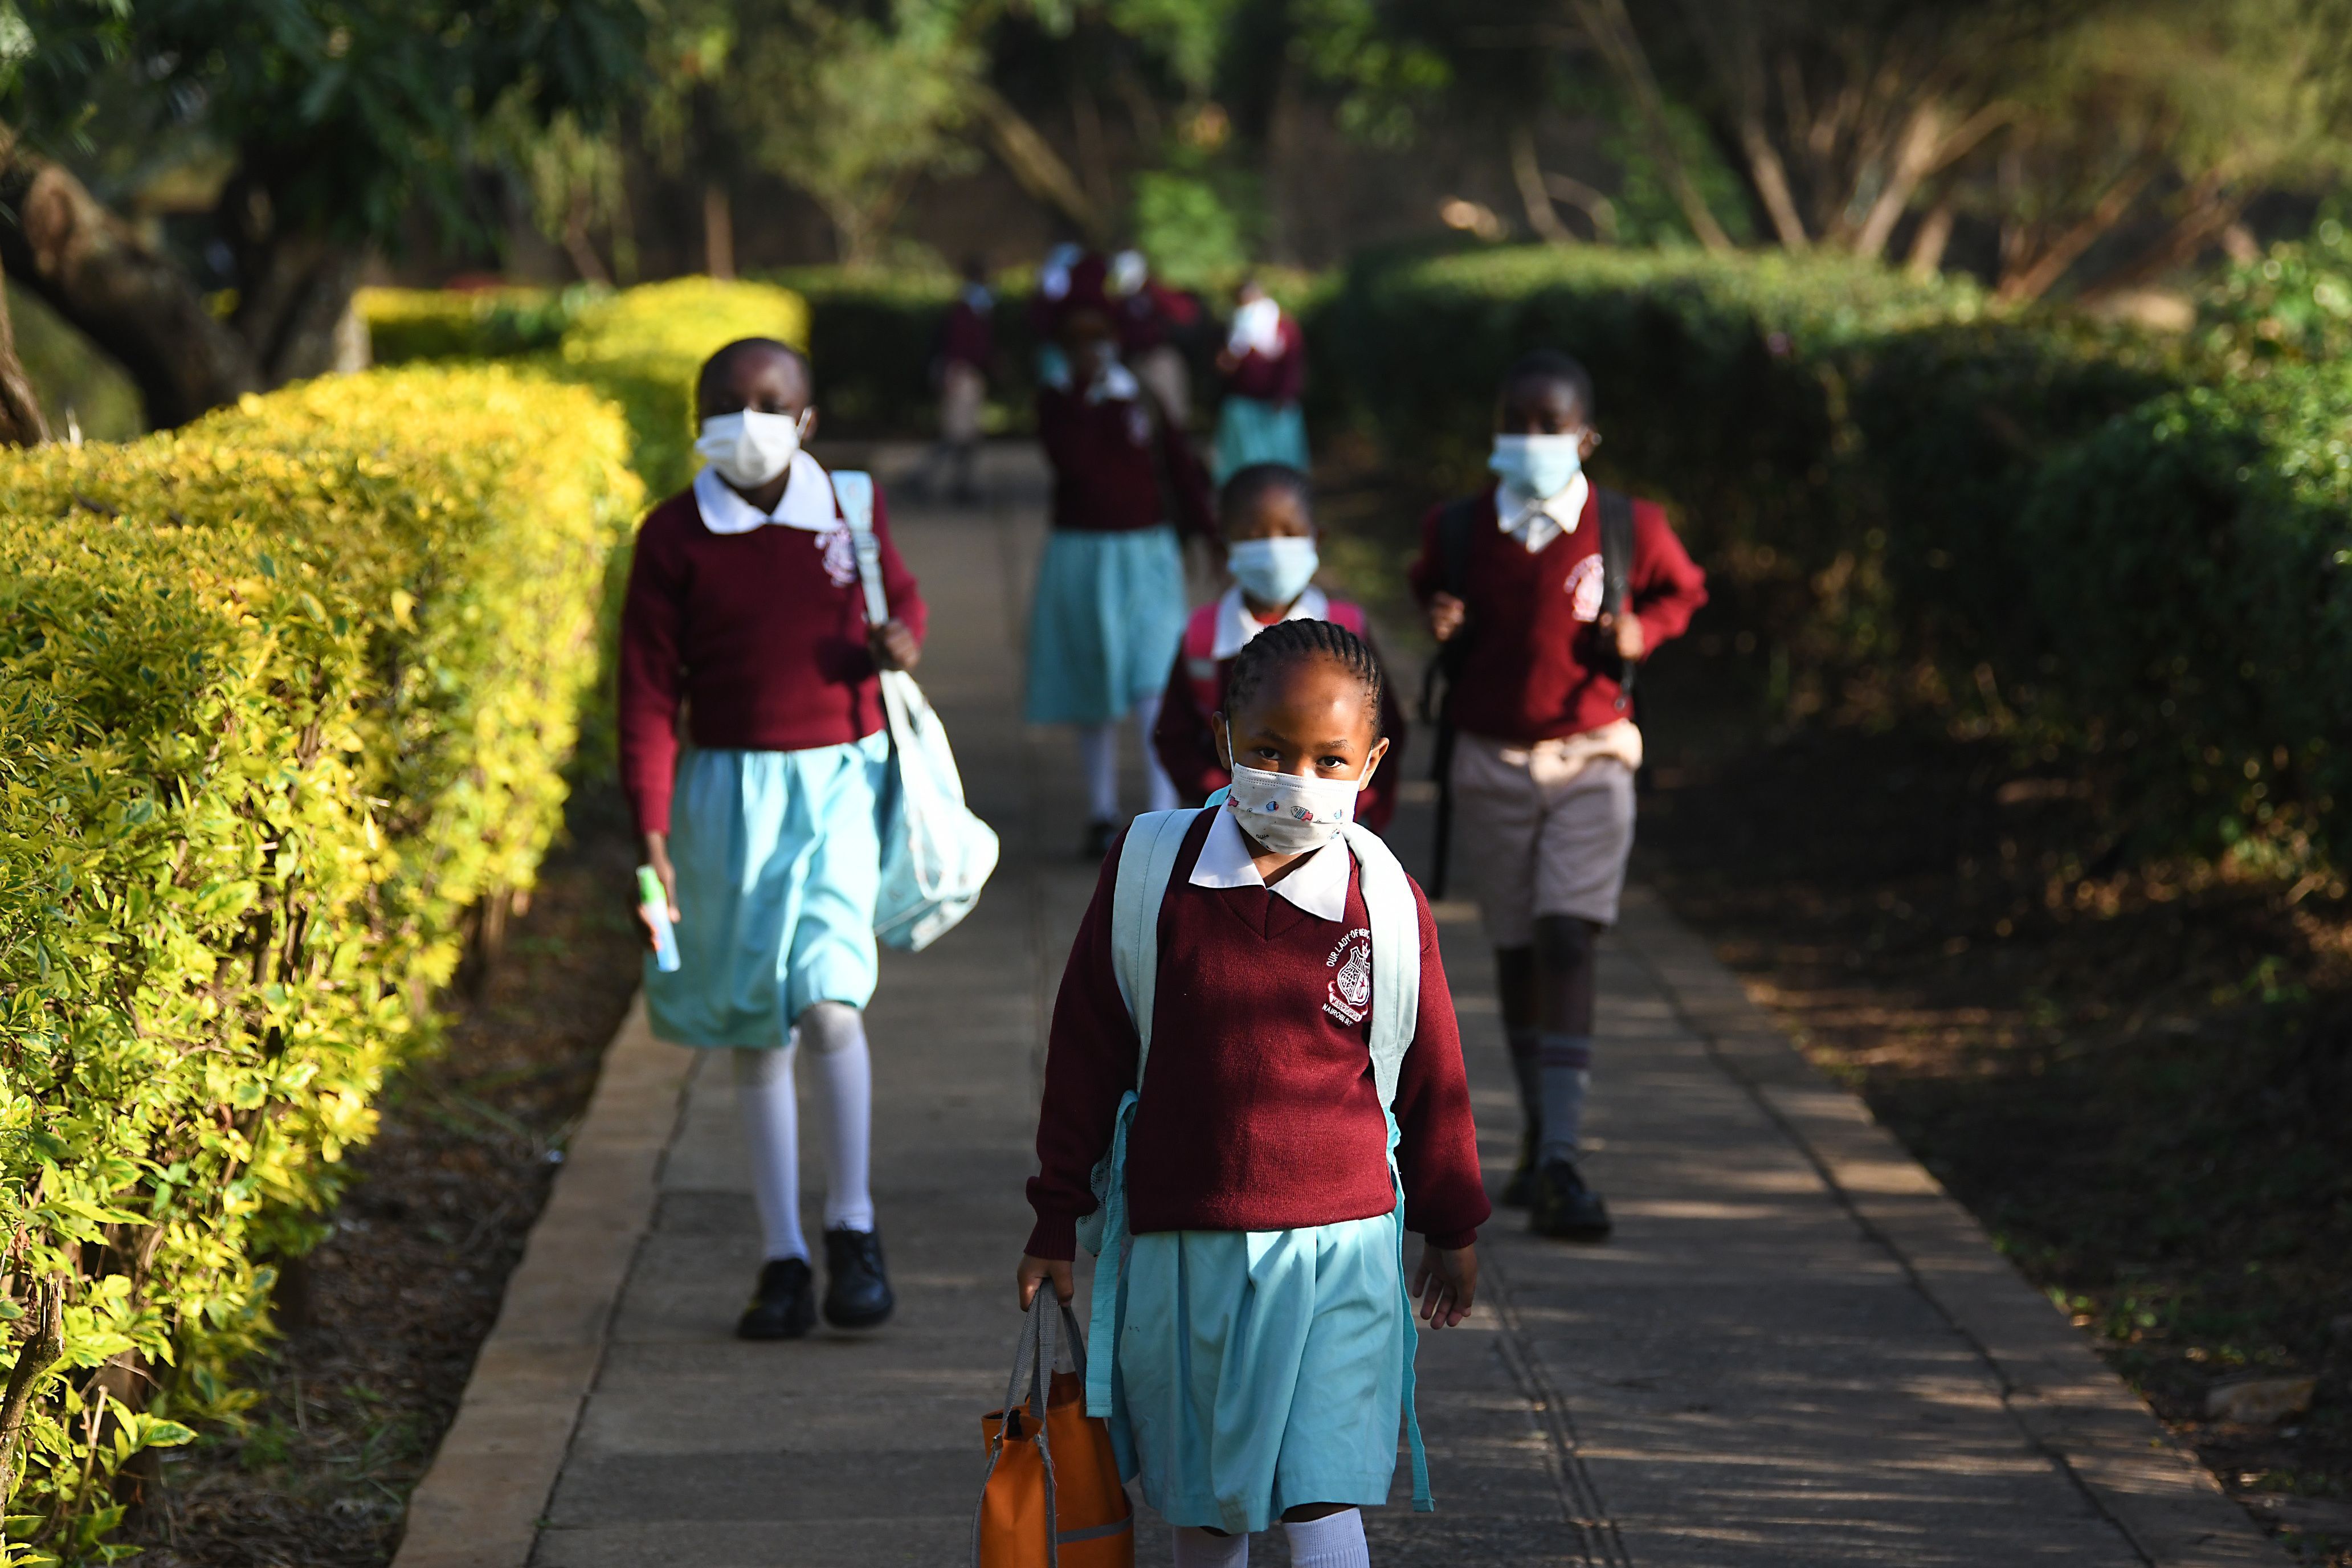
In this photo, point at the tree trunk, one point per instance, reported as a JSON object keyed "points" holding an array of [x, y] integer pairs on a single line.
{"points": [[2038, 276], [718, 231], [1094, 148], [1034, 163], [1922, 149], [1282, 139], [1528, 172], [96, 272], [44, 1345], [1927, 258], [297, 291], [2213, 208], [1771, 180], [21, 423], [1611, 31], [579, 246], [1584, 198]]}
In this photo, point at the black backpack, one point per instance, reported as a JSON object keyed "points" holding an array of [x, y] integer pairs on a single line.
{"points": [[1455, 527]]}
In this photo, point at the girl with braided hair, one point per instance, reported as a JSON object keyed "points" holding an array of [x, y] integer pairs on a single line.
{"points": [[1247, 1188]]}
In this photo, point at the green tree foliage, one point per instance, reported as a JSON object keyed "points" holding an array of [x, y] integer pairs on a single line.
{"points": [[852, 107], [326, 124]]}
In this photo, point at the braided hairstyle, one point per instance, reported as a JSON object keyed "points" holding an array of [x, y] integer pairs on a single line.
{"points": [[1286, 643]]}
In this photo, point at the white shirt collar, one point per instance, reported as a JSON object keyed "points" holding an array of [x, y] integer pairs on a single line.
{"points": [[1236, 626], [1320, 886], [806, 503], [1534, 521]]}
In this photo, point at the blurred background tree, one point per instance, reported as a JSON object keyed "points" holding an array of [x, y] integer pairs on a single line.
{"points": [[291, 140], [195, 185]]}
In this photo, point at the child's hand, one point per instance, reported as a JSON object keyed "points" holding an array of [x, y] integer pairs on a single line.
{"points": [[1630, 645], [893, 645], [658, 856], [1036, 1271], [1446, 1282], [1446, 613]]}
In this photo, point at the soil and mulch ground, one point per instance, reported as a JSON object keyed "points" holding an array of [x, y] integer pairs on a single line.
{"points": [[2139, 1078], [383, 1320]]}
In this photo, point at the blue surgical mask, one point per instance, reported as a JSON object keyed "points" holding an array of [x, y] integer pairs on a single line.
{"points": [[1543, 466], [1273, 571]]}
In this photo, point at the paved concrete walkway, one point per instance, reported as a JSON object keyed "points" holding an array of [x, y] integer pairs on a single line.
{"points": [[1796, 1352]]}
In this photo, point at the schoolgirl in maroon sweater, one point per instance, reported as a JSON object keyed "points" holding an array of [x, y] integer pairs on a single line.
{"points": [[1264, 1326], [1108, 610], [1544, 764], [744, 618], [1267, 515]]}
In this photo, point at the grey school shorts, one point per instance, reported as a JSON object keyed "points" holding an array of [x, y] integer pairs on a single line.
{"points": [[1545, 829]]}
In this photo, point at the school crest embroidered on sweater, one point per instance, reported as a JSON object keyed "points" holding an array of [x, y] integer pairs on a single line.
{"points": [[1349, 996], [1584, 589], [840, 551]]}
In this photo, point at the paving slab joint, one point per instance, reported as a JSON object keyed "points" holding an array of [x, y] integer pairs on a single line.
{"points": [[2158, 1498], [1598, 1542]]}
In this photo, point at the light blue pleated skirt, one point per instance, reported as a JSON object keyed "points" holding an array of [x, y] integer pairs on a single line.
{"points": [[1262, 1369], [779, 860], [1106, 624], [1252, 430]]}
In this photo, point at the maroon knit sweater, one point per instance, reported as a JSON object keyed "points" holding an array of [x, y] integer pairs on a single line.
{"points": [[1110, 459], [1278, 377], [1258, 1109], [1533, 668], [762, 634]]}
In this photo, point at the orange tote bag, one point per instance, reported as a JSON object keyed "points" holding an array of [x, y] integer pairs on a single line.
{"points": [[1049, 1460]]}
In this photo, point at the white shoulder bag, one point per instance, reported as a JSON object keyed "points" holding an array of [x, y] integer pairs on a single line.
{"points": [[936, 855]]}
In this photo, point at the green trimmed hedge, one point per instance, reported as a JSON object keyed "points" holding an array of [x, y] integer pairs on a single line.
{"points": [[2196, 622], [283, 695], [2029, 526]]}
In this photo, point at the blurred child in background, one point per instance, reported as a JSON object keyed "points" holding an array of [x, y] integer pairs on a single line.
{"points": [[1264, 364], [1110, 607], [1265, 514], [967, 348]]}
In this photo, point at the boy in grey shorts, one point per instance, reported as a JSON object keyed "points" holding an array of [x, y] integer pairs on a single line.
{"points": [[1540, 640]]}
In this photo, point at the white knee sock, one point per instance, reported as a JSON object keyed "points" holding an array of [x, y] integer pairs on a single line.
{"points": [[1335, 1540], [1098, 757], [1162, 788], [1199, 1549], [842, 1069], [763, 1089]]}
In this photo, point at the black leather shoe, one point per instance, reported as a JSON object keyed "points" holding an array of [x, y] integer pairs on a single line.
{"points": [[1097, 843], [1520, 1189], [1563, 1207], [783, 1304], [857, 1290]]}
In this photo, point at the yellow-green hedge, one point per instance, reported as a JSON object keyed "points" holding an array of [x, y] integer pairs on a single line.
{"points": [[409, 324], [643, 346], [282, 694], [640, 346]]}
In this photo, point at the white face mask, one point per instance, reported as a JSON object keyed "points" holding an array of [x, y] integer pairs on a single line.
{"points": [[1290, 815], [750, 448]]}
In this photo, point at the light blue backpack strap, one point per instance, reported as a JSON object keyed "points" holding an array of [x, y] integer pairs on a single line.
{"points": [[1396, 955], [1396, 1011], [1146, 861], [853, 488]]}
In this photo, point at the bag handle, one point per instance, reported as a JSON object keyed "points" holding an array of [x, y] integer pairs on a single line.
{"points": [[1033, 1354], [853, 489]]}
